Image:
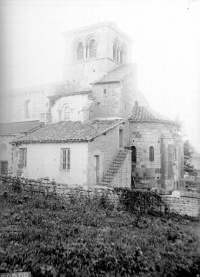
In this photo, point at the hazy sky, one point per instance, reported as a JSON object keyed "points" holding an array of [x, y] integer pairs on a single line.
{"points": [[166, 47]]}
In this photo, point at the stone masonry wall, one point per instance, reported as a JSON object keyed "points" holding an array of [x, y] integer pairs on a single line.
{"points": [[107, 100], [14, 106], [142, 136], [166, 169], [185, 205], [188, 204], [107, 147], [68, 191], [128, 89]]}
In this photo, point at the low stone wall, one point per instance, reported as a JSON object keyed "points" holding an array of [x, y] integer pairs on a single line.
{"points": [[46, 187], [187, 204]]}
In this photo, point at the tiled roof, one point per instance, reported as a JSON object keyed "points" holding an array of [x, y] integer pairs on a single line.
{"points": [[142, 114], [14, 128], [69, 94], [117, 74], [66, 131]]}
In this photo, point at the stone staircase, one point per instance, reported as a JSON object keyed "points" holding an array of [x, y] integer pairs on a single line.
{"points": [[114, 167]]}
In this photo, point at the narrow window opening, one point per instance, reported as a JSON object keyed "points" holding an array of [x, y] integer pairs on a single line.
{"points": [[136, 104], [67, 114], [27, 109], [80, 51], [92, 49], [121, 138], [122, 55], [115, 52], [151, 153]]}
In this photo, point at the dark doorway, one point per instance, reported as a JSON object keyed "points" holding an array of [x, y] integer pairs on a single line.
{"points": [[133, 154], [97, 166], [4, 167]]}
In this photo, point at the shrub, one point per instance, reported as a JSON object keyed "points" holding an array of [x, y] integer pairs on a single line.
{"points": [[49, 236], [140, 200]]}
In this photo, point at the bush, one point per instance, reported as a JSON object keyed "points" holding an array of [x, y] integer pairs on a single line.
{"points": [[49, 236], [140, 200]]}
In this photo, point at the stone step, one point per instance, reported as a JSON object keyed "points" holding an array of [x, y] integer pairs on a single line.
{"points": [[109, 173], [107, 178], [120, 156], [114, 167], [118, 162], [104, 183]]}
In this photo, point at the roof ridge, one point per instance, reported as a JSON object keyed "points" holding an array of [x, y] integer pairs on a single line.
{"points": [[66, 131], [116, 74]]}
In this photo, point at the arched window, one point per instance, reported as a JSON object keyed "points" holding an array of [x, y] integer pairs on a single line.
{"points": [[27, 109], [151, 153], [67, 113], [122, 55], [114, 51], [118, 55], [80, 51], [92, 49], [133, 154]]}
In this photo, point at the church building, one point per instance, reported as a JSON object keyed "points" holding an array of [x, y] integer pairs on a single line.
{"points": [[94, 127]]}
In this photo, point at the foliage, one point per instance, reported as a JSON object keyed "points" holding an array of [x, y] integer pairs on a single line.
{"points": [[48, 236], [141, 200], [188, 167]]}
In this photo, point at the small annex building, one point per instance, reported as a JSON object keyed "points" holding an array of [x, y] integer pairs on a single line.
{"points": [[75, 152]]}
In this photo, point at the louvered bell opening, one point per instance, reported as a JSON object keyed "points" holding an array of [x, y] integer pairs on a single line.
{"points": [[80, 51], [92, 49]]}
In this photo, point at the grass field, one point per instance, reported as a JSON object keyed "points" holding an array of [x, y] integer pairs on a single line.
{"points": [[49, 237]]}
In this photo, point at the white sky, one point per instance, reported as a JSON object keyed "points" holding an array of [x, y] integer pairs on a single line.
{"points": [[166, 47]]}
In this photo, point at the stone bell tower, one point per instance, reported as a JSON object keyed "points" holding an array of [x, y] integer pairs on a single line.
{"points": [[90, 52]]}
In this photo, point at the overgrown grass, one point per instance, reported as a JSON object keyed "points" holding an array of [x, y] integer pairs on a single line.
{"points": [[50, 237]]}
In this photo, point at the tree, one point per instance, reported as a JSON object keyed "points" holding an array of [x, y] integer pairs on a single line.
{"points": [[188, 151]]}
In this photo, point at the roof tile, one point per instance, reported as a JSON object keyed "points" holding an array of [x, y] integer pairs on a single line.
{"points": [[14, 128], [66, 131], [142, 114]]}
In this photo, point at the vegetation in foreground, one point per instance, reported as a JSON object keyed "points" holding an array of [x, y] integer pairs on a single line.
{"points": [[49, 237]]}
